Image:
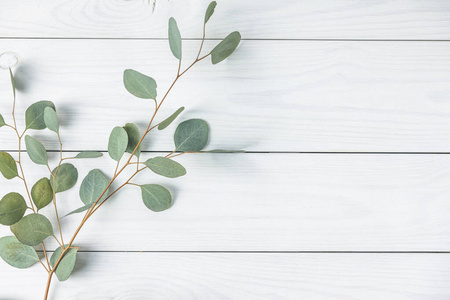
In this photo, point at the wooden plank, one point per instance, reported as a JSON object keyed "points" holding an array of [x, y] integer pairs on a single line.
{"points": [[240, 276], [270, 96], [288, 19], [272, 202]]}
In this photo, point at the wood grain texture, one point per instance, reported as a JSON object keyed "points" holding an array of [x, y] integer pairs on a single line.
{"points": [[269, 96], [287, 19], [139, 276], [272, 202]]}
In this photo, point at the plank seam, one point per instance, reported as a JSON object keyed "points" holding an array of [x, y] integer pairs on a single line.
{"points": [[267, 152], [219, 39]]}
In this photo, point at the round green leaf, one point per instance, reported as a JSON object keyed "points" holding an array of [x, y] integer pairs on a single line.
{"points": [[191, 135], [174, 38], [165, 167], [65, 178], [51, 119], [12, 208], [156, 198], [42, 193], [67, 263], [2, 121], [32, 229], [134, 136], [118, 143], [226, 47], [93, 186], [8, 166], [36, 151], [89, 154], [17, 254], [139, 85], [170, 119], [210, 11], [34, 116]]}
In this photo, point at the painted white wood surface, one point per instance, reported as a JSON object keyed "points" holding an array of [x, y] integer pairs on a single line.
{"points": [[270, 96], [206, 276], [285, 19], [273, 202], [378, 92]]}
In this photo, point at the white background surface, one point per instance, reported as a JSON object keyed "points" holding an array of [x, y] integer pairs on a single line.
{"points": [[344, 107]]}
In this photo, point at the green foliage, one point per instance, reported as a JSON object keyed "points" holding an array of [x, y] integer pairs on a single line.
{"points": [[17, 254], [157, 198], [12, 208], [93, 186], [66, 177], [32, 229], [139, 85], [8, 166], [210, 11], [13, 82], [80, 209], [34, 116], [51, 119], [191, 135], [118, 143], [89, 154], [134, 136], [226, 47], [174, 38], [67, 263], [165, 167], [42, 193], [164, 124], [36, 151]]}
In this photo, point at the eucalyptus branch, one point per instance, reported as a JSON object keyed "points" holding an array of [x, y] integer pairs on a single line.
{"points": [[31, 230]]}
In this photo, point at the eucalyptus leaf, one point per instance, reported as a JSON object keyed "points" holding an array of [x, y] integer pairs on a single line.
{"points": [[66, 177], [118, 143], [210, 11], [191, 135], [175, 38], [13, 82], [134, 136], [42, 193], [157, 198], [80, 209], [32, 229], [164, 124], [36, 151], [8, 166], [34, 115], [12, 208], [93, 186], [165, 167], [51, 119], [139, 85], [2, 121], [17, 254], [67, 263], [89, 154], [226, 47]]}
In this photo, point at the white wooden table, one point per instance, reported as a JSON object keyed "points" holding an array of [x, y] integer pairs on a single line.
{"points": [[343, 105]]}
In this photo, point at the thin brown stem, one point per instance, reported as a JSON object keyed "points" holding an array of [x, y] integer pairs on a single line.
{"points": [[203, 41], [96, 205], [49, 280], [45, 255]]}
